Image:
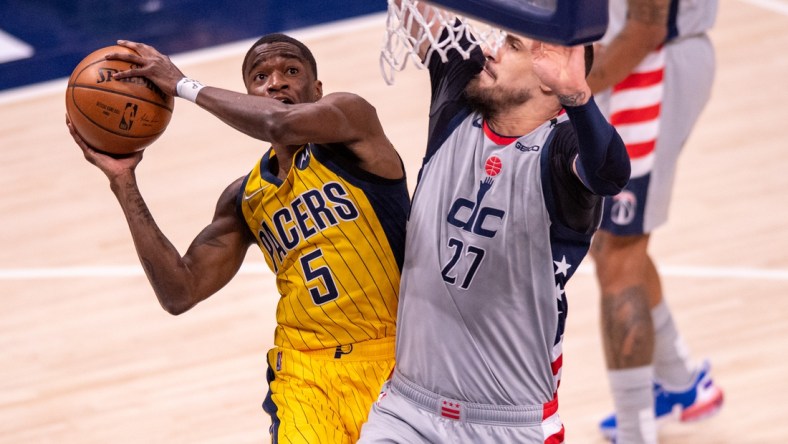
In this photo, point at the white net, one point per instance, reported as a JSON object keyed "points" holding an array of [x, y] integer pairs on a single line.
{"points": [[412, 24]]}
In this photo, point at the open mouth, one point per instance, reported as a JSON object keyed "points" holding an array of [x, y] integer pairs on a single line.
{"points": [[285, 100]]}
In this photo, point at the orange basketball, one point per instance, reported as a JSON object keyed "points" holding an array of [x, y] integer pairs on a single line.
{"points": [[115, 116]]}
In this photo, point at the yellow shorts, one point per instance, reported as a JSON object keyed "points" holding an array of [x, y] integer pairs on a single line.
{"points": [[324, 396]]}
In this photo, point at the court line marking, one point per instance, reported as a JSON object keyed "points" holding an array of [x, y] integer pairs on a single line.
{"points": [[186, 59], [41, 273], [104, 271], [778, 6]]}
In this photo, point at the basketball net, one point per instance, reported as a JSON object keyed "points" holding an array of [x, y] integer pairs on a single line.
{"points": [[407, 28]]}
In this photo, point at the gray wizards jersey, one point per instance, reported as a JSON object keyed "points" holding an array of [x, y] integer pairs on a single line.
{"points": [[482, 305]]}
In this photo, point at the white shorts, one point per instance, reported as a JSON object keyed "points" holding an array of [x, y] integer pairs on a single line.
{"points": [[407, 414], [654, 142]]}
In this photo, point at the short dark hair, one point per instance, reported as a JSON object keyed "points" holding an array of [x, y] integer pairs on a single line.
{"points": [[281, 38], [589, 57]]}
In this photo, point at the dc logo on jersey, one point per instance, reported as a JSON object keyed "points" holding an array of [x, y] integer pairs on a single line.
{"points": [[624, 208], [472, 216]]}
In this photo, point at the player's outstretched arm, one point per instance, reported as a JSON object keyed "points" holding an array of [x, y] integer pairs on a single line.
{"points": [[336, 118], [277, 118], [602, 164], [344, 118], [213, 257], [645, 29]]}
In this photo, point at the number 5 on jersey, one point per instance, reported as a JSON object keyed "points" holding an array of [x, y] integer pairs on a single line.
{"points": [[323, 276]]}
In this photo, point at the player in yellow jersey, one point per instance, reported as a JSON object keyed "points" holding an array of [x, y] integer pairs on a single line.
{"points": [[326, 204]]}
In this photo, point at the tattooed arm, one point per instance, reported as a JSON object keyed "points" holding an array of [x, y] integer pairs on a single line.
{"points": [[212, 259], [646, 28]]}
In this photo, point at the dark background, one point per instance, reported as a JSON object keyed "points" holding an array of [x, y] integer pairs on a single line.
{"points": [[63, 32]]}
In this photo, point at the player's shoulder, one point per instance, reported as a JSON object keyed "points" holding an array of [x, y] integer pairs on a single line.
{"points": [[345, 98], [236, 185], [357, 109], [564, 138], [229, 197]]}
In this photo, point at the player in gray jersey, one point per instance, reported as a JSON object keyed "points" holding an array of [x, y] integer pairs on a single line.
{"points": [[510, 193], [653, 77]]}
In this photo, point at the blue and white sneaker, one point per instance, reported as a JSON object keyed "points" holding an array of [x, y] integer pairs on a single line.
{"points": [[700, 401]]}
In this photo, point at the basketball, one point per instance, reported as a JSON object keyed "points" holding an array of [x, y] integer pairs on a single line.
{"points": [[115, 116], [493, 166]]}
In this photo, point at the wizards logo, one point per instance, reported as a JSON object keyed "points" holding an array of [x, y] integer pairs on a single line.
{"points": [[472, 216]]}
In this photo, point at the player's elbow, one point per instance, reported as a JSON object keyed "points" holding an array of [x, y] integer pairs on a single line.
{"points": [[613, 181], [617, 169], [281, 129], [610, 187], [280, 135], [175, 305], [174, 310]]}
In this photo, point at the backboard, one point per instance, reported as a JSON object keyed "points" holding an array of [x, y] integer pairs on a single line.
{"points": [[568, 22]]}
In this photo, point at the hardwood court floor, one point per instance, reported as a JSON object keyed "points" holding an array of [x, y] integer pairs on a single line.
{"points": [[87, 356]]}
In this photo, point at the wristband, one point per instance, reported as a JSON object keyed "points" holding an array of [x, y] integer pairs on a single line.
{"points": [[188, 89]]}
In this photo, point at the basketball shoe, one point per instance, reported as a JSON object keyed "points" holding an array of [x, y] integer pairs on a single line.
{"points": [[701, 400]]}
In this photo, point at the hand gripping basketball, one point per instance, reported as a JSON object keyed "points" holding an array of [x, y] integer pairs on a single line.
{"points": [[149, 63], [115, 115]]}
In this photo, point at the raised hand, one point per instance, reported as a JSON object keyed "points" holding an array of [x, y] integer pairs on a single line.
{"points": [[562, 69], [151, 64]]}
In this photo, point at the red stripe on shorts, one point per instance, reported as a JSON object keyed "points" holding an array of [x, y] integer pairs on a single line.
{"points": [[641, 80], [549, 408], [556, 438], [638, 150], [556, 365], [635, 115]]}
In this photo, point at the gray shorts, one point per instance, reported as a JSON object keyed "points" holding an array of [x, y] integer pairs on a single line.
{"points": [[407, 414]]}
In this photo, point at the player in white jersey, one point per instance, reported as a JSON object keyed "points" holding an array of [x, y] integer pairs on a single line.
{"points": [[508, 198], [657, 65]]}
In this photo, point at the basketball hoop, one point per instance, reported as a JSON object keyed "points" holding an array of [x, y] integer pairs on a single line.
{"points": [[407, 29], [483, 23]]}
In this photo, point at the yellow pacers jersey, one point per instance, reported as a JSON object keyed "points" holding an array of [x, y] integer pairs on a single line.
{"points": [[334, 236]]}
